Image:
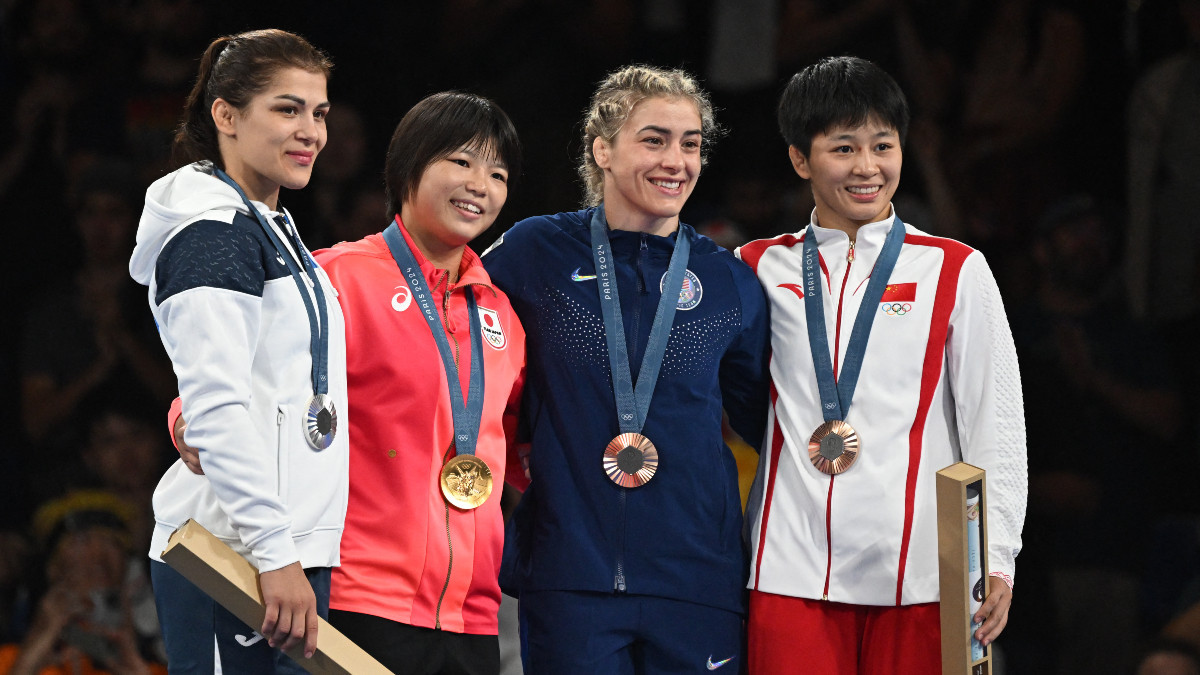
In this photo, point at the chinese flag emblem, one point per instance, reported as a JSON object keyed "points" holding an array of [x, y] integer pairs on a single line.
{"points": [[899, 293]]}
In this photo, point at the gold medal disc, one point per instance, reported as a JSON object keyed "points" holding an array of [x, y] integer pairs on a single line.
{"points": [[466, 481], [834, 447], [630, 460]]}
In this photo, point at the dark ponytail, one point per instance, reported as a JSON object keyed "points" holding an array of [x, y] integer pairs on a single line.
{"points": [[196, 137], [236, 68]]}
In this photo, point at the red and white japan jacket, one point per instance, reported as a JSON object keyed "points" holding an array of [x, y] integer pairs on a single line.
{"points": [[407, 555]]}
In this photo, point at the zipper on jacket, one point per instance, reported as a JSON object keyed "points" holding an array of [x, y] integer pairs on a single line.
{"points": [[634, 331], [619, 579], [437, 613], [828, 539], [280, 419], [642, 248], [837, 331], [446, 315], [837, 345]]}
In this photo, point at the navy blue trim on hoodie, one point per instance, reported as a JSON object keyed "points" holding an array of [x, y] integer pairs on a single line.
{"points": [[233, 256]]}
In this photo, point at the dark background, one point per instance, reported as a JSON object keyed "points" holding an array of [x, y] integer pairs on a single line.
{"points": [[1019, 147]]}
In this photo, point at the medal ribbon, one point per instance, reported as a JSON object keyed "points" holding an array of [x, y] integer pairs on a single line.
{"points": [[318, 343], [633, 404], [468, 414], [837, 393]]}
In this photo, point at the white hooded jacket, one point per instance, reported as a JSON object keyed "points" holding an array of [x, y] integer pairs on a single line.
{"points": [[237, 332]]}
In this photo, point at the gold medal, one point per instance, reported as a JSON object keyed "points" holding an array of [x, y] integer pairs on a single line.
{"points": [[320, 421], [630, 460], [834, 447], [466, 481]]}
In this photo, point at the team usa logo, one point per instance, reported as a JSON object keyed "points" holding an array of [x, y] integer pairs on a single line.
{"points": [[689, 294], [898, 299], [489, 322]]}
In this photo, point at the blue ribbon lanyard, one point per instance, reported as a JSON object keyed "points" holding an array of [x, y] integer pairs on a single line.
{"points": [[468, 414], [318, 343], [633, 404], [837, 393]]}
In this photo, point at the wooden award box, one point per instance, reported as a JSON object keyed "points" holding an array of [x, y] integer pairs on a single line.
{"points": [[233, 582], [958, 580]]}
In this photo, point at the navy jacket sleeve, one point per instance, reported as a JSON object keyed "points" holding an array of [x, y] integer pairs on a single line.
{"points": [[502, 260], [745, 373]]}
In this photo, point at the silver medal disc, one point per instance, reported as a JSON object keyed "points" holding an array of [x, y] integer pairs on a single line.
{"points": [[320, 421]]}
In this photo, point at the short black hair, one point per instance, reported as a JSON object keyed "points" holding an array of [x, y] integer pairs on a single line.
{"points": [[440, 125], [839, 90]]}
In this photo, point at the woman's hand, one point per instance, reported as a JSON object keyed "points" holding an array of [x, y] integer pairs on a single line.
{"points": [[189, 455], [994, 612], [291, 617]]}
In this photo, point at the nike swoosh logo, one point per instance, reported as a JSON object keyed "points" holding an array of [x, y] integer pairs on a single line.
{"points": [[576, 276], [713, 666]]}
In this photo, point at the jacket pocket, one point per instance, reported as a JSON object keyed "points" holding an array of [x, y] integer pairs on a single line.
{"points": [[725, 470], [282, 451]]}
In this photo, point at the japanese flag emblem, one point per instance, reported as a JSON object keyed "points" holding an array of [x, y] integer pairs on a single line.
{"points": [[493, 332]]}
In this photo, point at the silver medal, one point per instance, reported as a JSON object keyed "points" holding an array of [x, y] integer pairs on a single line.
{"points": [[320, 421]]}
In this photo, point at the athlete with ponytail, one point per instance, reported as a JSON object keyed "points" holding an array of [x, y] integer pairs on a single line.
{"points": [[255, 334]]}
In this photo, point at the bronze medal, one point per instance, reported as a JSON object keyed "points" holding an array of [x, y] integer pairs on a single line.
{"points": [[834, 447], [630, 460], [466, 481], [320, 421]]}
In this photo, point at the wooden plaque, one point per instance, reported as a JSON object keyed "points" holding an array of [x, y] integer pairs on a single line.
{"points": [[229, 579]]}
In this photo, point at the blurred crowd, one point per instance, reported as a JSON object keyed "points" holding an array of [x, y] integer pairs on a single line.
{"points": [[1057, 136]]}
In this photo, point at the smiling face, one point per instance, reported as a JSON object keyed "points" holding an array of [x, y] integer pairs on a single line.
{"points": [[274, 141], [651, 166], [854, 171], [456, 200]]}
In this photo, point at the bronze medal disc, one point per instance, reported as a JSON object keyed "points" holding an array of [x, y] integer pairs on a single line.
{"points": [[834, 447], [320, 421], [630, 460], [466, 481]]}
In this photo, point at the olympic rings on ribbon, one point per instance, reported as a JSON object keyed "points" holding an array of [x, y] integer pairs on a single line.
{"points": [[895, 308]]}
